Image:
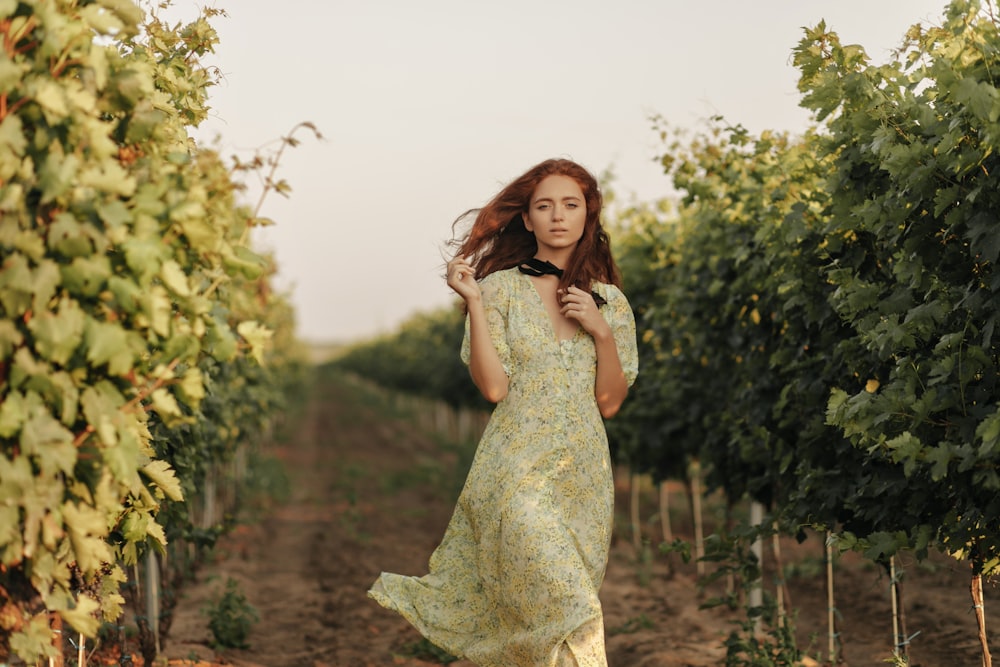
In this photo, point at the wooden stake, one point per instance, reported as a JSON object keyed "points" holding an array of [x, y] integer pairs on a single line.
{"points": [[904, 635], [784, 600], [151, 583], [757, 548], [831, 618], [699, 528], [897, 639], [634, 480], [56, 623], [976, 588], [665, 527]]}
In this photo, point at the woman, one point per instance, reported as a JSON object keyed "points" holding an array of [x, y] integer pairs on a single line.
{"points": [[550, 338]]}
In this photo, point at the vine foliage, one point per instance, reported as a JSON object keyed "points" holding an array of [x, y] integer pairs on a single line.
{"points": [[128, 296]]}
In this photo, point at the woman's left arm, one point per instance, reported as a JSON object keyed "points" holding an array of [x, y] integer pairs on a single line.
{"points": [[611, 384]]}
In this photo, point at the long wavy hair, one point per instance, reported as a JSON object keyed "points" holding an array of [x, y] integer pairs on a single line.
{"points": [[499, 240]]}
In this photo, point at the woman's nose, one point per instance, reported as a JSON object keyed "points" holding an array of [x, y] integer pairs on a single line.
{"points": [[558, 213]]}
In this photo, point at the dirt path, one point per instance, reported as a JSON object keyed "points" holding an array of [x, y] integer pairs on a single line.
{"points": [[370, 493]]}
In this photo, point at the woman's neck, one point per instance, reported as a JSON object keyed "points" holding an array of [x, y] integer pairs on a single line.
{"points": [[560, 259]]}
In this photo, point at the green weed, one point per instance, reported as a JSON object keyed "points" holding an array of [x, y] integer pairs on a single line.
{"points": [[632, 625], [425, 650], [231, 618]]}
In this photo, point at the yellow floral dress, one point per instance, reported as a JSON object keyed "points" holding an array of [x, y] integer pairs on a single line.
{"points": [[514, 582]]}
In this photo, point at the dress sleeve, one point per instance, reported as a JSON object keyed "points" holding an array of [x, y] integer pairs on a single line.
{"points": [[619, 316], [496, 299]]}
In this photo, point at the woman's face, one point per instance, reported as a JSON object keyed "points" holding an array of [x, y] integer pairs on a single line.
{"points": [[557, 214]]}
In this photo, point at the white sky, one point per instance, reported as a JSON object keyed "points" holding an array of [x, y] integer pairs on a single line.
{"points": [[429, 106]]}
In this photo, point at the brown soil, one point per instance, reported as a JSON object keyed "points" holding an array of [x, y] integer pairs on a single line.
{"points": [[370, 493]]}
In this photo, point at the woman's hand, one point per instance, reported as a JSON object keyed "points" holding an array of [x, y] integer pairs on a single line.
{"points": [[462, 279], [578, 305]]}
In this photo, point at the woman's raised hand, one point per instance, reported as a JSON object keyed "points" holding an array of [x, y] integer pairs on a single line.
{"points": [[578, 305], [462, 279]]}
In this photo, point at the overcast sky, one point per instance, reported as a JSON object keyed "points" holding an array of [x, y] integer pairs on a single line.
{"points": [[428, 107]]}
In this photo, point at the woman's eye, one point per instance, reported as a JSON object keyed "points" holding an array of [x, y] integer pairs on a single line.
{"points": [[572, 205]]}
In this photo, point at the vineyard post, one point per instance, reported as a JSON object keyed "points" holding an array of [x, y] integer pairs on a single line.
{"points": [[56, 621], [978, 603], [151, 584], [757, 549], [699, 528], [634, 518], [831, 609], [783, 598], [208, 498], [898, 642], [665, 524]]}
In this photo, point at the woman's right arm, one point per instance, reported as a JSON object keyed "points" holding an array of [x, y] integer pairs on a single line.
{"points": [[485, 365]]}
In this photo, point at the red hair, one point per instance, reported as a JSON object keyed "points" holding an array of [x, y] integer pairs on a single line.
{"points": [[499, 240]]}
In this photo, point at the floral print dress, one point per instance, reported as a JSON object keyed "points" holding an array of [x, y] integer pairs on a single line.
{"points": [[515, 580]]}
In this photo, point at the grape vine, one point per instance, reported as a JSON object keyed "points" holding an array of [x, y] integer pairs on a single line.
{"points": [[133, 313]]}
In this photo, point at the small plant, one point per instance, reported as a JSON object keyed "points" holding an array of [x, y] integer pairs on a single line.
{"points": [[231, 617], [632, 625], [764, 637], [425, 650]]}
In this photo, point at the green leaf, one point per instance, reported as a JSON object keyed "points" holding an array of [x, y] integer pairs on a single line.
{"points": [[59, 333], [49, 443], [221, 342], [101, 405], [988, 434], [144, 123], [165, 405], [13, 413], [939, 457], [182, 347], [243, 261], [10, 338], [108, 177], [10, 526], [979, 96], [114, 213], [52, 98], [882, 544], [127, 293], [128, 13], [64, 396], [192, 386], [174, 278], [34, 641], [107, 343], [144, 257], [87, 276], [163, 476], [87, 530], [46, 278], [102, 22], [59, 172], [905, 448], [12, 141], [122, 459], [15, 285], [68, 237], [83, 617], [257, 336], [158, 309]]}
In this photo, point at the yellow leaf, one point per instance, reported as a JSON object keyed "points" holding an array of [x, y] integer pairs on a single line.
{"points": [[161, 474]]}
